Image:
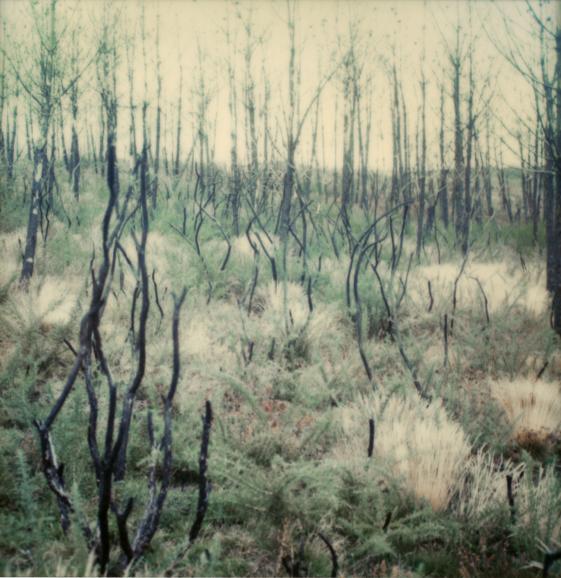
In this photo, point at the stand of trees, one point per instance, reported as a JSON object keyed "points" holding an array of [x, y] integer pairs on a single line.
{"points": [[51, 79]]}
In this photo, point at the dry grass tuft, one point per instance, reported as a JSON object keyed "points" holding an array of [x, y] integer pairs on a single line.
{"points": [[55, 303], [242, 247], [46, 301], [504, 285], [531, 406], [296, 303], [11, 255], [484, 486], [422, 445]]}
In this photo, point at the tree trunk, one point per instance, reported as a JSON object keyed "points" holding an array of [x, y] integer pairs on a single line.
{"points": [[155, 182], [458, 190], [467, 209], [39, 169], [422, 169], [556, 247], [443, 185], [179, 119]]}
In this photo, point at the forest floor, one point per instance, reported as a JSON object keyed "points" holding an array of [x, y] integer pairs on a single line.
{"points": [[288, 462]]}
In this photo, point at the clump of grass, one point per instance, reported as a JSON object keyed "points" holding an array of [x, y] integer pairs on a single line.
{"points": [[35, 321], [422, 445], [503, 282], [296, 306], [11, 255], [538, 509], [242, 247], [483, 491], [530, 406]]}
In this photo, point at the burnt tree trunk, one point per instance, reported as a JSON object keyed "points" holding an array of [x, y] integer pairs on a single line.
{"points": [[443, 179], [422, 169], [554, 275], [39, 170], [458, 190]]}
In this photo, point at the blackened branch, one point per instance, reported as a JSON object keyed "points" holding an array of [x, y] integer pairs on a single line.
{"points": [[204, 485], [371, 433], [332, 552]]}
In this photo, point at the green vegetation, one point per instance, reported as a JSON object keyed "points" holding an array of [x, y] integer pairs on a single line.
{"points": [[288, 456]]}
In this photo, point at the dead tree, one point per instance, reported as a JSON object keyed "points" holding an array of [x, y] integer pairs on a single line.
{"points": [[422, 169], [234, 198], [177, 162], [130, 54], [443, 180], [407, 171], [364, 136], [288, 181], [101, 141], [202, 99], [535, 163], [486, 168], [156, 176], [524, 178], [108, 462], [546, 83], [107, 79], [265, 165], [11, 134], [467, 203], [335, 174], [556, 242], [504, 185], [45, 86], [295, 125], [74, 164], [350, 80], [3, 98], [478, 200], [397, 154], [458, 207], [313, 165], [549, 168], [250, 107]]}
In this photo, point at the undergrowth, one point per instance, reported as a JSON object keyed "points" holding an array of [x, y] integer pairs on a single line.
{"points": [[289, 454]]}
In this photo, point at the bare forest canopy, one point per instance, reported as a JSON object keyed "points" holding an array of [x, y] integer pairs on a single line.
{"points": [[356, 100], [198, 52]]}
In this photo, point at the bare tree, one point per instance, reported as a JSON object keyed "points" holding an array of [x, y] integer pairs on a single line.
{"points": [[467, 208], [397, 156], [130, 55], [294, 123], [177, 163], [422, 167], [443, 179], [156, 176], [250, 107], [351, 86], [234, 198], [42, 77], [74, 164], [456, 59], [546, 84]]}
